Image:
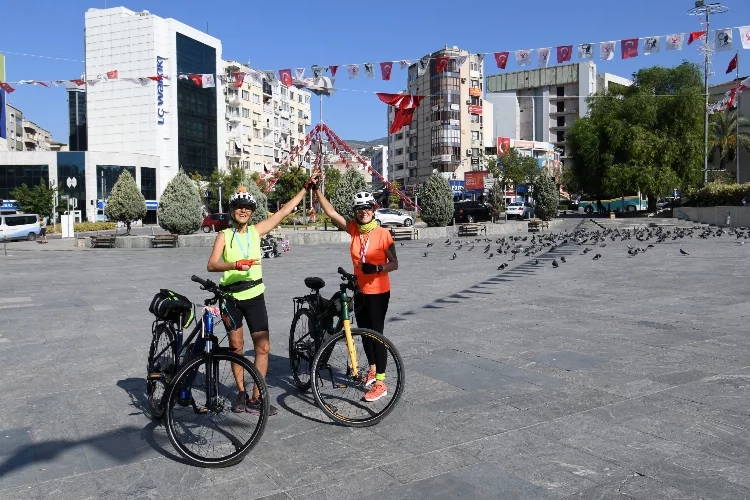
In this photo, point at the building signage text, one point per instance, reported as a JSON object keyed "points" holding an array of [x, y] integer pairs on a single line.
{"points": [[160, 91]]}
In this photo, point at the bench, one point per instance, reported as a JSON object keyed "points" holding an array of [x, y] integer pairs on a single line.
{"points": [[407, 232], [537, 224], [165, 240], [105, 240], [471, 229]]}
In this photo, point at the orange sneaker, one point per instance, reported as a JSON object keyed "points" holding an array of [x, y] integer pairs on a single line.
{"points": [[369, 378], [378, 391]]}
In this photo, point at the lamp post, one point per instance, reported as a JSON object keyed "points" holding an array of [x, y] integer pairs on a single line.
{"points": [[703, 9]]}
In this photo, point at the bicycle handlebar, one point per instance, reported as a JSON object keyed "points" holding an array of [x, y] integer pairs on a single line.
{"points": [[346, 276], [207, 284]]}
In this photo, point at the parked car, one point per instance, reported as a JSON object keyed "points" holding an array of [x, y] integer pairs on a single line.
{"points": [[393, 217], [19, 227], [471, 211], [520, 210], [215, 222]]}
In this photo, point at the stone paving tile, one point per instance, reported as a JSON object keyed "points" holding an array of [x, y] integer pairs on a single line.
{"points": [[616, 378]]}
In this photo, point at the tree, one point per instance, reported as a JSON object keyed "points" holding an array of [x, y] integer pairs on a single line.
{"points": [[393, 198], [38, 200], [180, 207], [546, 197], [436, 201], [125, 202], [351, 182], [289, 184], [513, 168], [653, 130], [332, 178], [261, 212], [723, 136]]}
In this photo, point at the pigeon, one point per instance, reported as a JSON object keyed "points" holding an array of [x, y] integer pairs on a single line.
{"points": [[472, 248], [502, 266], [683, 252], [490, 255], [448, 241], [425, 254], [402, 244], [536, 262], [563, 259], [597, 256], [554, 263], [454, 256], [430, 244]]}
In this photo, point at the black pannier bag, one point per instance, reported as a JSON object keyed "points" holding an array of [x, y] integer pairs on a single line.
{"points": [[169, 306]]}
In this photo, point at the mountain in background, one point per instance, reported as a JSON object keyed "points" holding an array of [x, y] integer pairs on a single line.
{"points": [[357, 144]]}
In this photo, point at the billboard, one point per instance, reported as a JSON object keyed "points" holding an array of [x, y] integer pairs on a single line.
{"points": [[475, 92], [475, 110], [475, 180], [503, 145]]}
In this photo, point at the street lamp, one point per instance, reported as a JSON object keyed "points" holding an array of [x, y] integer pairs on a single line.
{"points": [[703, 9]]}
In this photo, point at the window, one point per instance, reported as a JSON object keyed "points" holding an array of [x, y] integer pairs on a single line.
{"points": [[258, 149], [245, 113], [283, 90], [291, 141], [291, 111], [245, 95], [561, 136], [256, 133], [291, 95], [399, 152], [307, 99], [256, 117], [474, 135], [300, 129], [256, 98], [275, 121], [299, 113], [560, 106], [474, 118], [475, 101], [475, 153], [299, 98], [148, 183], [475, 84], [412, 156], [560, 91], [560, 121], [110, 174]]}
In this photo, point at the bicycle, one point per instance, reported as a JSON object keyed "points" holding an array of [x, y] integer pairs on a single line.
{"points": [[317, 344], [183, 369]]}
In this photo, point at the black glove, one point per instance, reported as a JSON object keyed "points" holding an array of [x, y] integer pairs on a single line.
{"points": [[368, 268]]}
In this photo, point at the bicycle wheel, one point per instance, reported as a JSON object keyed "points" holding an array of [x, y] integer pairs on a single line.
{"points": [[161, 365], [200, 420], [302, 347], [340, 395]]}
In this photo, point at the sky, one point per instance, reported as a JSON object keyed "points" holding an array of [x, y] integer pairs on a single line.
{"points": [[296, 34]]}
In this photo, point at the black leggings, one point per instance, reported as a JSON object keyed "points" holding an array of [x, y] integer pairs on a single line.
{"points": [[370, 312]]}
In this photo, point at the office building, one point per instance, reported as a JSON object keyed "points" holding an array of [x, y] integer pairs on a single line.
{"points": [[379, 164], [77, 134], [174, 119], [539, 105], [263, 120], [451, 127]]}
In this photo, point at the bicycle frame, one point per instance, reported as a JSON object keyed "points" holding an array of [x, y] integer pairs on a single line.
{"points": [[348, 332]]}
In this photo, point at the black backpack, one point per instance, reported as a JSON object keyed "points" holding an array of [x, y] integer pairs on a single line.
{"points": [[171, 306]]}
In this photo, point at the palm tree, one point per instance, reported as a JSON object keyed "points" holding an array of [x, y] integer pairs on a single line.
{"points": [[724, 137]]}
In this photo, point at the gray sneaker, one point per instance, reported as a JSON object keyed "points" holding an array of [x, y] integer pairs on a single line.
{"points": [[254, 405], [241, 403]]}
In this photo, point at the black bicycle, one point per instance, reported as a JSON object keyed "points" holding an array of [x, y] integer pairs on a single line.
{"points": [[322, 348], [195, 381]]}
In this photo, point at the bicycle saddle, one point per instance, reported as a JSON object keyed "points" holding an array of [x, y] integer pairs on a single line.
{"points": [[314, 283]]}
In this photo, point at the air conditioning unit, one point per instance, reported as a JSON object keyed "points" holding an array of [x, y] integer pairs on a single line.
{"points": [[463, 80], [468, 101], [468, 152], [255, 123]]}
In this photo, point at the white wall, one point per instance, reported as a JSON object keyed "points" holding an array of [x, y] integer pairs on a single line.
{"points": [[504, 113], [586, 85]]}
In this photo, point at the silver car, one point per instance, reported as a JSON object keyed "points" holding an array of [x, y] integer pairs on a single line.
{"points": [[392, 217], [520, 210]]}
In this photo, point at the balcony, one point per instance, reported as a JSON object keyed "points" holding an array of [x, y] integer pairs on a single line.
{"points": [[233, 99], [267, 108], [234, 118], [284, 114], [267, 91], [267, 125], [233, 153]]}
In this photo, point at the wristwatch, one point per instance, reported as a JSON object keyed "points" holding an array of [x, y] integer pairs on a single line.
{"points": [[380, 268]]}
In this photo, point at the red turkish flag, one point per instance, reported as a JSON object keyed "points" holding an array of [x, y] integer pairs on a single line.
{"points": [[156, 78], [503, 145], [6, 87], [197, 79], [112, 75], [732, 64], [285, 75], [385, 69], [629, 48], [564, 53], [42, 84], [239, 77], [696, 35], [501, 58], [405, 105], [333, 70], [440, 63], [78, 82]]}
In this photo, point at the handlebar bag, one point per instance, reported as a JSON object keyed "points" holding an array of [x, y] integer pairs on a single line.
{"points": [[171, 306]]}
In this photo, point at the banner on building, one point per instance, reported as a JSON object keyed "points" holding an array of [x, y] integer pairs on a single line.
{"points": [[475, 179]]}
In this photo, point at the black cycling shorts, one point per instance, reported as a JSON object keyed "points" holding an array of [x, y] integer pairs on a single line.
{"points": [[252, 310]]}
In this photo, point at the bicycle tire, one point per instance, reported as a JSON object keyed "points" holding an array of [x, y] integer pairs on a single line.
{"points": [[325, 352], [159, 375], [302, 380], [238, 455]]}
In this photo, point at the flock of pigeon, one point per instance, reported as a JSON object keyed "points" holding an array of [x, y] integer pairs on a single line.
{"points": [[640, 240]]}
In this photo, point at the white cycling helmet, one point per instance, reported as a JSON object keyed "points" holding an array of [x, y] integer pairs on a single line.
{"points": [[241, 198], [363, 199]]}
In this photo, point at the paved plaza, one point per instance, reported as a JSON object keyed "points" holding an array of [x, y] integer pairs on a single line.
{"points": [[622, 377]]}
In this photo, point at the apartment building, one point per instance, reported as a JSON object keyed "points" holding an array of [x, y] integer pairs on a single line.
{"points": [[451, 127], [14, 128], [264, 120], [379, 164], [539, 105], [35, 138]]}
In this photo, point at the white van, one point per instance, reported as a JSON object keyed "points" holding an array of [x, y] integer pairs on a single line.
{"points": [[19, 227]]}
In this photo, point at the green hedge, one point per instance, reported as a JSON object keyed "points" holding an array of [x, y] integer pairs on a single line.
{"points": [[717, 194], [80, 227]]}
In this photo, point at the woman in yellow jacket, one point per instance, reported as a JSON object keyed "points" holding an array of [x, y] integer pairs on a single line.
{"points": [[237, 254]]}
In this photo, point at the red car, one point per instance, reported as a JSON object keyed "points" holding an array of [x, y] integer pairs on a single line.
{"points": [[215, 222]]}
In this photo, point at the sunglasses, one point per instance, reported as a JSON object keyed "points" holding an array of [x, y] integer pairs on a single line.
{"points": [[363, 209], [243, 209]]}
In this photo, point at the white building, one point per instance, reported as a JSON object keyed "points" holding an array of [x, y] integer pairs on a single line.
{"points": [[175, 120], [263, 120], [541, 104], [379, 164]]}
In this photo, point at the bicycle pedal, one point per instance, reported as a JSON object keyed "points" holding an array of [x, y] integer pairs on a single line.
{"points": [[154, 376]]}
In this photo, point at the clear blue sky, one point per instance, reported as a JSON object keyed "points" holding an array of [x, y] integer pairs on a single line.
{"points": [[295, 34]]}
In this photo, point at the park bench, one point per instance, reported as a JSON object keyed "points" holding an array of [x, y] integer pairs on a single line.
{"points": [[104, 240], [164, 240], [537, 224], [471, 229], [410, 232]]}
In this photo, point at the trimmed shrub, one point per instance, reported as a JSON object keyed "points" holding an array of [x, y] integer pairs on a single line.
{"points": [[436, 202], [179, 209], [125, 203], [717, 194], [546, 196], [351, 183], [81, 227]]}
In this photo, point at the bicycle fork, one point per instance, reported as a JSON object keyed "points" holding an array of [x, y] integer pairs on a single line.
{"points": [[348, 336]]}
